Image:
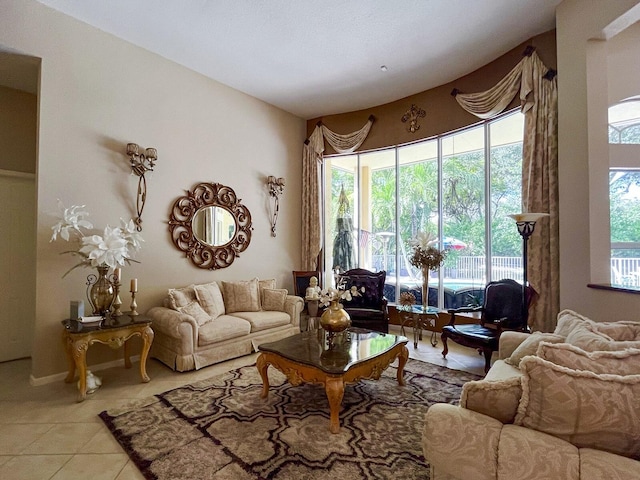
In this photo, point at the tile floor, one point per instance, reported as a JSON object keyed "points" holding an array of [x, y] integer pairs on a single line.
{"points": [[45, 434]]}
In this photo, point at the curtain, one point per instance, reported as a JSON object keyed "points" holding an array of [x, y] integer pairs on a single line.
{"points": [[539, 104], [312, 156]]}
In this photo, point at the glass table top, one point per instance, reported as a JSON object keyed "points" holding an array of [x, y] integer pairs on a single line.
{"points": [[108, 322], [417, 309], [337, 354]]}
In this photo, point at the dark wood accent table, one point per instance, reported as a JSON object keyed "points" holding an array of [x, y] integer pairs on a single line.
{"points": [[307, 357], [112, 331]]}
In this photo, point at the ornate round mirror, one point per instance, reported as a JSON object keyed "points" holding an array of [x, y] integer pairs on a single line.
{"points": [[214, 226], [210, 225]]}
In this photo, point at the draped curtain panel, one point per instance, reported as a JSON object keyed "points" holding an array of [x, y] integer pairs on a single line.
{"points": [[539, 104], [312, 157]]}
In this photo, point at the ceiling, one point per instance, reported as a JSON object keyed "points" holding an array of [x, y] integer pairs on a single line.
{"points": [[314, 58]]}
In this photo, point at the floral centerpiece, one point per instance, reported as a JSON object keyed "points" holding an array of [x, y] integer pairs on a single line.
{"points": [[114, 248], [426, 257], [335, 319]]}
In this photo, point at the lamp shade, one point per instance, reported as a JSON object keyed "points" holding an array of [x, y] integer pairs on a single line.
{"points": [[528, 217]]}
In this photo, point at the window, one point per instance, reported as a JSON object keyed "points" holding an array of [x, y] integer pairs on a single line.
{"points": [[624, 192], [459, 187]]}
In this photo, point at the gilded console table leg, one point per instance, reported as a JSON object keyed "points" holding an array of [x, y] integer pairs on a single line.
{"points": [[79, 351], [403, 356], [127, 355], [147, 340], [334, 386], [66, 342], [263, 364]]}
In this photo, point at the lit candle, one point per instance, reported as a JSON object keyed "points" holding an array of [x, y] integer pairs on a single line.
{"points": [[134, 284], [118, 274]]}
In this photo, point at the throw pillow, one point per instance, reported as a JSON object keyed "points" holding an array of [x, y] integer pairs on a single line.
{"points": [[619, 331], [210, 298], [567, 320], [530, 345], [587, 338], [620, 362], [195, 310], [583, 408], [241, 296], [273, 299], [181, 297], [498, 399], [262, 284]]}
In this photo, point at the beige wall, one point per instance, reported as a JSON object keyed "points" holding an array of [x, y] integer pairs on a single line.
{"points": [[96, 94], [582, 29], [17, 130]]}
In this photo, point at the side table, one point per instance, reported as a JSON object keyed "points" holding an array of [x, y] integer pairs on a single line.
{"points": [[419, 320], [113, 331]]}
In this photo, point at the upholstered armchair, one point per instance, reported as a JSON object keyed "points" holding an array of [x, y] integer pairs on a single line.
{"points": [[369, 310], [501, 310]]}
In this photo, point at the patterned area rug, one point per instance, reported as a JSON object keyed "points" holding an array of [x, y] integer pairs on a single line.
{"points": [[220, 428]]}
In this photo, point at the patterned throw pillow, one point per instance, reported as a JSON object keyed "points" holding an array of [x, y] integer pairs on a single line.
{"points": [[567, 320], [210, 298], [587, 338], [195, 310], [496, 398], [262, 284], [581, 407], [273, 299], [620, 362], [241, 296], [530, 345], [181, 297]]}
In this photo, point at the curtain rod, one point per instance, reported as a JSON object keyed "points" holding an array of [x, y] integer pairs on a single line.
{"points": [[528, 51]]}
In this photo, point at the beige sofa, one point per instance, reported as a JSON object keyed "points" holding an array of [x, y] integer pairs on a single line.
{"points": [[554, 406], [200, 325]]}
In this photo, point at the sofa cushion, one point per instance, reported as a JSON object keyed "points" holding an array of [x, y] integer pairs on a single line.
{"points": [[617, 362], [567, 320], [224, 328], [530, 345], [587, 338], [605, 465], [272, 299], [581, 407], [498, 399], [263, 284], [619, 331], [241, 296], [181, 297], [264, 320], [210, 298], [195, 310]]}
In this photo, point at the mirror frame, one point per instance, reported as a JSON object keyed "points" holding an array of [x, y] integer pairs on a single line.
{"points": [[180, 225]]}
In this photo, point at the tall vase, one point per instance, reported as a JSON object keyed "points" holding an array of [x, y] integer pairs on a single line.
{"points": [[334, 319], [101, 292], [425, 289]]}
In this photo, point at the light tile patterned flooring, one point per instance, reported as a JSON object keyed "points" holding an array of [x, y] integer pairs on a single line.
{"points": [[45, 434]]}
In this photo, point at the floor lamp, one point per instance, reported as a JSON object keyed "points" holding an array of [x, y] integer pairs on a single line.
{"points": [[526, 223]]}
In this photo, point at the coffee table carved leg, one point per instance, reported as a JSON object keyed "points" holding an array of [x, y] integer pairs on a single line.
{"points": [[66, 341], [334, 386], [263, 365], [147, 340], [403, 356]]}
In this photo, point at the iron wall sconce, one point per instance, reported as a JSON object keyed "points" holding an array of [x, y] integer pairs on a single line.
{"points": [[276, 188], [141, 163]]}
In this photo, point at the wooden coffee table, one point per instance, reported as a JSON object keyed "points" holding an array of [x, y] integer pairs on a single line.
{"points": [[310, 357]]}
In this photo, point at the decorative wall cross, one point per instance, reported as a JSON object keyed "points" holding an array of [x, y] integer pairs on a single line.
{"points": [[412, 116]]}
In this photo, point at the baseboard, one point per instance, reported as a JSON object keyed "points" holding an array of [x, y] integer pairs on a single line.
{"points": [[36, 382]]}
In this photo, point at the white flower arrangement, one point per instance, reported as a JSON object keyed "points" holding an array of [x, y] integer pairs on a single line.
{"points": [[114, 248], [331, 294]]}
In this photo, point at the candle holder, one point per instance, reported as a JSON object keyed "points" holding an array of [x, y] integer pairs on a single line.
{"points": [[117, 303], [134, 305]]}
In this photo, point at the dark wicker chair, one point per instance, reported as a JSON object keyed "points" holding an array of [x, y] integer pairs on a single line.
{"points": [[501, 310], [370, 309]]}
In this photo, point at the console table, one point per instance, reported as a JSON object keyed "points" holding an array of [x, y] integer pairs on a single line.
{"points": [[113, 331]]}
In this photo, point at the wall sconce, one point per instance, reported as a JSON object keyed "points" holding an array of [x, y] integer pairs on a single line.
{"points": [[276, 188], [141, 163]]}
